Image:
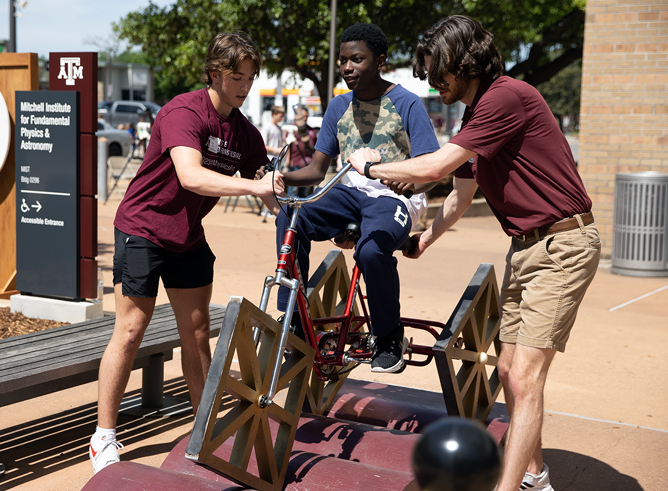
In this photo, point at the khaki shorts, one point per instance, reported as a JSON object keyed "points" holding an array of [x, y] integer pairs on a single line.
{"points": [[543, 285]]}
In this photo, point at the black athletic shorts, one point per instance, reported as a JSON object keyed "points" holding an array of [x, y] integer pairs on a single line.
{"points": [[139, 264]]}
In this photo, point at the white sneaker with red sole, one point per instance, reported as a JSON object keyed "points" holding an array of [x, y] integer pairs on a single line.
{"points": [[103, 452]]}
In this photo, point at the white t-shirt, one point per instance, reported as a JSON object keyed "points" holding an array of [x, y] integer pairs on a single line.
{"points": [[143, 130], [272, 136]]}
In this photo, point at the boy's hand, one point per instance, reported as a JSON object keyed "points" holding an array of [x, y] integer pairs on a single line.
{"points": [[399, 187], [349, 244], [417, 247], [260, 173]]}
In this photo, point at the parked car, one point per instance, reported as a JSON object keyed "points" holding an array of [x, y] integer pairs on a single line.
{"points": [[120, 142], [122, 112]]}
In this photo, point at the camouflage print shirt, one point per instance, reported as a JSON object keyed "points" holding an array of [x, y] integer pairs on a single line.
{"points": [[396, 124]]}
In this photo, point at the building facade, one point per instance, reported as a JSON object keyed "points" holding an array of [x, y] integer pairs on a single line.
{"points": [[124, 81], [624, 100]]}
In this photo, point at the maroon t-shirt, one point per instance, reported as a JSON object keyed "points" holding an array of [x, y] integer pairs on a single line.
{"points": [[301, 152], [524, 165], [155, 205]]}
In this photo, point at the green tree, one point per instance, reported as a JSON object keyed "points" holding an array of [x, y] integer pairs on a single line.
{"points": [[295, 35], [537, 38], [562, 94], [131, 56]]}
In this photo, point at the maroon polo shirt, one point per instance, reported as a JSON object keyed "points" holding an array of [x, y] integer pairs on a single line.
{"points": [[524, 165]]}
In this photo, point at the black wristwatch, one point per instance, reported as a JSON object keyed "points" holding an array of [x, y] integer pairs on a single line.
{"points": [[366, 169]]}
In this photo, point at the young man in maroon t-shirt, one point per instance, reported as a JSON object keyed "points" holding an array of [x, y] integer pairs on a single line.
{"points": [[510, 146], [198, 142]]}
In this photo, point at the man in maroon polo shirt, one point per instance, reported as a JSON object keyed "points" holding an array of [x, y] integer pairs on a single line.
{"points": [[511, 146], [199, 141]]}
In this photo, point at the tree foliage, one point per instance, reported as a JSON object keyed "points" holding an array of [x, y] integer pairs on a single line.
{"points": [[562, 94], [295, 35]]}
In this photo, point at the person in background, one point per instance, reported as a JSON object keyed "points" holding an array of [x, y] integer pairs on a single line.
{"points": [[511, 146], [302, 150], [143, 134], [272, 134], [149, 118], [133, 133]]}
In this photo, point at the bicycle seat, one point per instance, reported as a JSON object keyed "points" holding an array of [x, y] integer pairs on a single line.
{"points": [[353, 232]]}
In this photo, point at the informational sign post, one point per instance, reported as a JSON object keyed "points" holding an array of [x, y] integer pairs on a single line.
{"points": [[78, 72], [47, 193]]}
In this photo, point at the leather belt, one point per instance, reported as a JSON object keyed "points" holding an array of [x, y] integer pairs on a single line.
{"points": [[570, 223]]}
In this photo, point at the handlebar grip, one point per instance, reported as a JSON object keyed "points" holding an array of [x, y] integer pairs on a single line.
{"points": [[271, 165]]}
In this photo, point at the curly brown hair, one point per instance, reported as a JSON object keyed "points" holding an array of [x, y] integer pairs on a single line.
{"points": [[458, 45], [225, 53]]}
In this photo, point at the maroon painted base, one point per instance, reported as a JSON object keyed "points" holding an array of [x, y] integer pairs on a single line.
{"points": [[365, 443]]}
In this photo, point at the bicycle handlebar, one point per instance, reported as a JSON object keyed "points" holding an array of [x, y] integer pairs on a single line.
{"points": [[276, 163], [320, 193]]}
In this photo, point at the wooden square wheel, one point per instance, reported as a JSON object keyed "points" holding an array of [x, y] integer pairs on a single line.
{"points": [[471, 337], [241, 400]]}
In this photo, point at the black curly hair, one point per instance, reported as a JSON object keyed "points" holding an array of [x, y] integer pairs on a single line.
{"points": [[458, 45], [372, 35]]}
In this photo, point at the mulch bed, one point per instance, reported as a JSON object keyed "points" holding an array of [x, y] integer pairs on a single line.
{"points": [[14, 324]]}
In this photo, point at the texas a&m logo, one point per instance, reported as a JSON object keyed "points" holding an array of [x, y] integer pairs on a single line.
{"points": [[216, 145], [70, 70]]}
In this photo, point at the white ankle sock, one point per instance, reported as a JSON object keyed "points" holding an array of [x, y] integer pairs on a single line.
{"points": [[101, 433]]}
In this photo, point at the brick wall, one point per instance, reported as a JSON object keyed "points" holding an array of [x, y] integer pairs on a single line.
{"points": [[624, 102]]}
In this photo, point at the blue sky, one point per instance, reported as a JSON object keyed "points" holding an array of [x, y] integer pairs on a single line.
{"points": [[65, 25]]}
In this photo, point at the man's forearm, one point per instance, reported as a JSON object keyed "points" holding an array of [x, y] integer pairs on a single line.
{"points": [[205, 182], [424, 169], [423, 188], [452, 210], [213, 184], [272, 204]]}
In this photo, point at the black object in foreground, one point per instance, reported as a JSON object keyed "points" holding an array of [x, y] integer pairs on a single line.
{"points": [[456, 454]]}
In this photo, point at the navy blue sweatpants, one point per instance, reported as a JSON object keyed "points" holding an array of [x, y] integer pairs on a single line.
{"points": [[385, 225]]}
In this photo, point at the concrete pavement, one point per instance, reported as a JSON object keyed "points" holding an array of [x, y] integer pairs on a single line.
{"points": [[606, 426]]}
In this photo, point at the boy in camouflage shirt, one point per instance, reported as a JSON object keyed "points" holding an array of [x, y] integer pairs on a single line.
{"points": [[387, 117]]}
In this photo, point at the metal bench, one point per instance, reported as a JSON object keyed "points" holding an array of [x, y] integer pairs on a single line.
{"points": [[43, 362]]}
